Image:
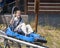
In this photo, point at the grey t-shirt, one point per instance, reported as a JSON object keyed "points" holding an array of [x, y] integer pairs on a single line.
{"points": [[16, 22]]}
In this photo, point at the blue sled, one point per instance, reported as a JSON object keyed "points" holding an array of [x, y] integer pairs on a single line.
{"points": [[33, 37]]}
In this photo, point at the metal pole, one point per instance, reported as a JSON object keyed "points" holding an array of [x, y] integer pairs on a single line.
{"points": [[36, 13], [26, 8]]}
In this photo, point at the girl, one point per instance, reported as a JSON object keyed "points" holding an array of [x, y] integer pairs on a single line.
{"points": [[17, 24]]}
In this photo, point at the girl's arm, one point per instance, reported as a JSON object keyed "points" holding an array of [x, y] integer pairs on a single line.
{"points": [[11, 21]]}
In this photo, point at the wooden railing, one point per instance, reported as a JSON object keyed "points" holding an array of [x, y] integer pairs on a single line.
{"points": [[45, 7]]}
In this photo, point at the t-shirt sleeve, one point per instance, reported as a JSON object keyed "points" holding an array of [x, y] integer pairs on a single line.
{"points": [[22, 21]]}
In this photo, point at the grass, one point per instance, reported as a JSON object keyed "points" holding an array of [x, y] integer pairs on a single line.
{"points": [[50, 33]]}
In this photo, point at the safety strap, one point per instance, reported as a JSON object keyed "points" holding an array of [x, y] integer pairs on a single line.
{"points": [[19, 21]]}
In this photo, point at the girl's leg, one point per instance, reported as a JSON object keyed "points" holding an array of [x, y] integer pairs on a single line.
{"points": [[29, 29], [23, 28]]}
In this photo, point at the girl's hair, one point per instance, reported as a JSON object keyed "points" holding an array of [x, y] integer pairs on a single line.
{"points": [[15, 11]]}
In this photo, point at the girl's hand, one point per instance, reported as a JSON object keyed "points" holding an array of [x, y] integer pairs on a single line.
{"points": [[11, 22]]}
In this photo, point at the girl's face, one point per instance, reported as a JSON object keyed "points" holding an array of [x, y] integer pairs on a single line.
{"points": [[18, 14]]}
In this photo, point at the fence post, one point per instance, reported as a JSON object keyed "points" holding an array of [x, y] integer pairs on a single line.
{"points": [[36, 13]]}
